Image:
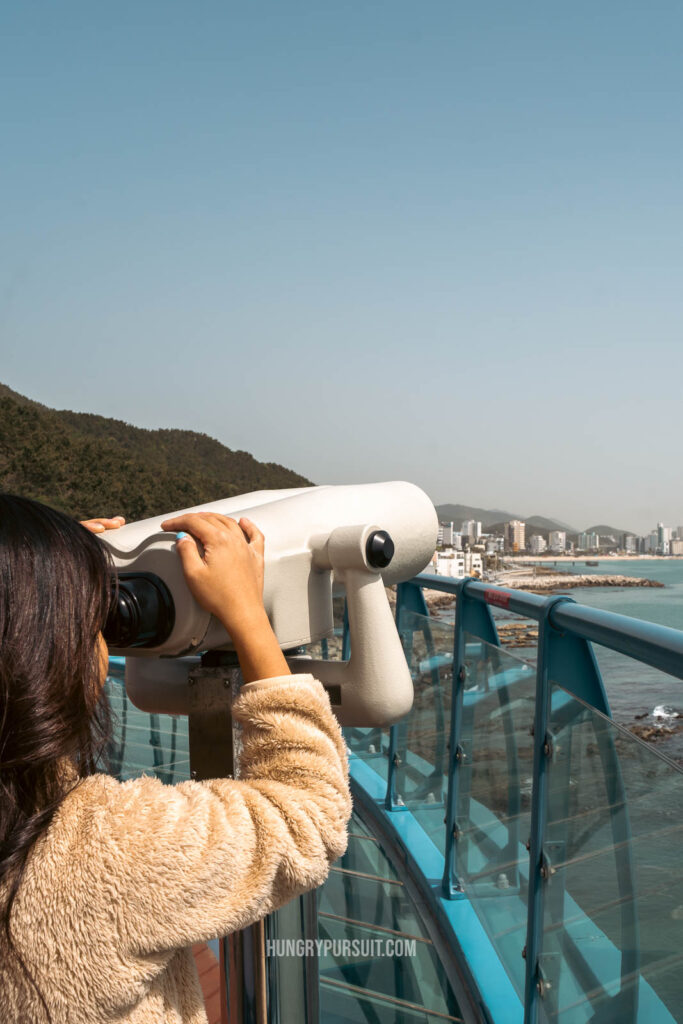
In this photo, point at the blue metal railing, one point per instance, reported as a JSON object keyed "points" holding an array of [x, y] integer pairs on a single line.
{"points": [[568, 693]]}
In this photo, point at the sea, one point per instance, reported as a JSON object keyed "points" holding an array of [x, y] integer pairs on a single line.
{"points": [[636, 690]]}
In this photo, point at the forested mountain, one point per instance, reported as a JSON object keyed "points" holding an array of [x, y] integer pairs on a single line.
{"points": [[90, 465]]}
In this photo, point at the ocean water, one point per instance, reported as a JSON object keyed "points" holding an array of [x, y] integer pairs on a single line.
{"points": [[634, 689], [664, 606]]}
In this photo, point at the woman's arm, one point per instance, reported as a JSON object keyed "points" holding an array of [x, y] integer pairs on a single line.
{"points": [[201, 859], [172, 865]]}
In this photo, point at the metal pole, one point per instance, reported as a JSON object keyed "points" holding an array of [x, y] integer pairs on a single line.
{"points": [[214, 754], [451, 886], [539, 866]]}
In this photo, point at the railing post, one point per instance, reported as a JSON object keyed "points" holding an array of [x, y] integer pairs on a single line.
{"points": [[539, 867], [450, 885], [390, 799]]}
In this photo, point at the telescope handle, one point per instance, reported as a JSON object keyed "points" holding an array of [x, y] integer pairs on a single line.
{"points": [[374, 687]]}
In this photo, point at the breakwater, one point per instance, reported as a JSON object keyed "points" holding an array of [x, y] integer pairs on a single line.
{"points": [[548, 582]]}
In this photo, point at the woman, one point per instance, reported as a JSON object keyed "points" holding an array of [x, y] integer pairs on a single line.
{"points": [[105, 885]]}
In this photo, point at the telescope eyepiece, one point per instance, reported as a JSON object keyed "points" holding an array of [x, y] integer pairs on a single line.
{"points": [[379, 549], [142, 613]]}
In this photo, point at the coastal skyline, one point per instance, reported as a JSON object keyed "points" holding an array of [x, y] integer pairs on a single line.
{"points": [[377, 241]]}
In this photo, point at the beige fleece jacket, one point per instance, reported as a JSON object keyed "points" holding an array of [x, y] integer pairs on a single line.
{"points": [[130, 874]]}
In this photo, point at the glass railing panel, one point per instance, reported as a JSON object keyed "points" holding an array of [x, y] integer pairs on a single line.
{"points": [[346, 1004], [366, 897], [365, 856], [516, 633], [644, 699], [400, 966], [330, 647], [371, 745], [141, 743], [422, 737], [379, 958], [613, 905], [493, 811]]}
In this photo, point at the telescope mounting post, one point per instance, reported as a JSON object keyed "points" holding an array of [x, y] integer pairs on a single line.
{"points": [[214, 754], [250, 981]]}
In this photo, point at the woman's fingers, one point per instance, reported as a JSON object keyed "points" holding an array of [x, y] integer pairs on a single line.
{"points": [[188, 552], [206, 526], [253, 534], [222, 522], [195, 523], [102, 524]]}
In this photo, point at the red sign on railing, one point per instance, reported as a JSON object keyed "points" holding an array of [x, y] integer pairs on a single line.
{"points": [[497, 597]]}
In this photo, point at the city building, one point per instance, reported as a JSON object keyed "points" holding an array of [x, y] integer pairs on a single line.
{"points": [[494, 545], [472, 529], [445, 537], [458, 564], [663, 538], [676, 547], [515, 535], [650, 543], [537, 544], [629, 543], [557, 541], [588, 542]]}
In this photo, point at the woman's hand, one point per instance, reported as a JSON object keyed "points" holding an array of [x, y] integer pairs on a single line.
{"points": [[100, 525], [225, 574]]}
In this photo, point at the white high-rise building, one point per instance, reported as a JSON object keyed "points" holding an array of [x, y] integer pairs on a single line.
{"points": [[537, 544], [557, 541]]}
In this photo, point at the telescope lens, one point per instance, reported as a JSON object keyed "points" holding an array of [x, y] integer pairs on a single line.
{"points": [[142, 613], [379, 549]]}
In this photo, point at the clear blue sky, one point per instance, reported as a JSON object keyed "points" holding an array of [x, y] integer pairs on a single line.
{"points": [[434, 241]]}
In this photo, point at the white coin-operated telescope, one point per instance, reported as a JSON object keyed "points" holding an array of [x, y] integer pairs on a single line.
{"points": [[364, 537]]}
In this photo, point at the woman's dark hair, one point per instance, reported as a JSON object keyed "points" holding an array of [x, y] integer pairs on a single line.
{"points": [[54, 597]]}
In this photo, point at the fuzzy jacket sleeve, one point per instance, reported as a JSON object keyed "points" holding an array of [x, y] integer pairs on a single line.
{"points": [[179, 864]]}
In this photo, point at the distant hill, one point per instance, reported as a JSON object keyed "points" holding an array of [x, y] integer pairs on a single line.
{"points": [[493, 520], [606, 531], [91, 465], [542, 523], [458, 514]]}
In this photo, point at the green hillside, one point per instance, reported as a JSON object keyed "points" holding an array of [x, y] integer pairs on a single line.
{"points": [[90, 465]]}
